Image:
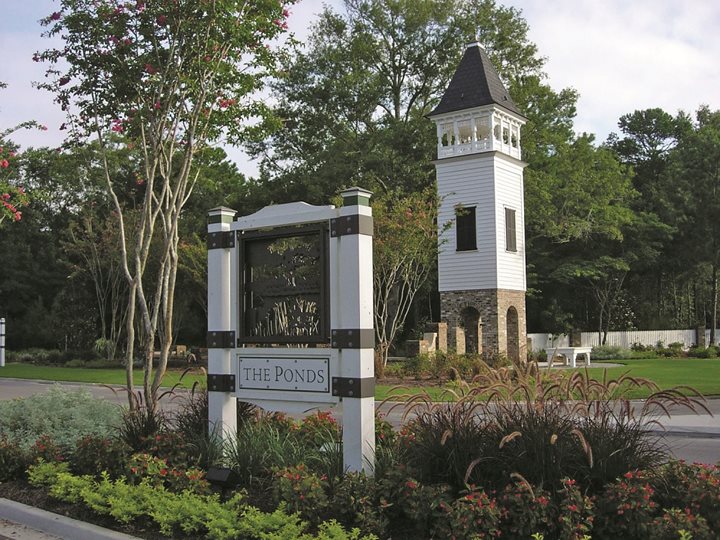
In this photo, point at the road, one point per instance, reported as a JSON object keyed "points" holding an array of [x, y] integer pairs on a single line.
{"points": [[694, 438]]}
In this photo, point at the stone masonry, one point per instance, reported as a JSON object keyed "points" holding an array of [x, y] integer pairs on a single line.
{"points": [[493, 306]]}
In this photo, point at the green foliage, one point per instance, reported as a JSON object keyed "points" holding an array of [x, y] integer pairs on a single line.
{"points": [[626, 509], [410, 505], [354, 501], [703, 352], [185, 513], [472, 516], [93, 455], [302, 491], [156, 471], [524, 510], [575, 512], [609, 352], [693, 487], [140, 427], [13, 460], [62, 416], [45, 473], [543, 425], [259, 447]]}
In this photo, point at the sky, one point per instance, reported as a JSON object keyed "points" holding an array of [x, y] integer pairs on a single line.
{"points": [[620, 55]]}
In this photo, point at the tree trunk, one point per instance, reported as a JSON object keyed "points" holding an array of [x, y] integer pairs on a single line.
{"points": [[713, 317]]}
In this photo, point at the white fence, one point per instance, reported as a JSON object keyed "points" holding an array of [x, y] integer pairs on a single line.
{"points": [[620, 339]]}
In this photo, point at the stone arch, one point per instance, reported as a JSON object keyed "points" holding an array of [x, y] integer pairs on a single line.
{"points": [[470, 321], [513, 334]]}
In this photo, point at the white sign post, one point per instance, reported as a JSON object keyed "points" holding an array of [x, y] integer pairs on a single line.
{"points": [[277, 340], [2, 342]]}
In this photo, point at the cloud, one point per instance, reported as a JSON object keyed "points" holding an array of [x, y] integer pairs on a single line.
{"points": [[622, 56]]}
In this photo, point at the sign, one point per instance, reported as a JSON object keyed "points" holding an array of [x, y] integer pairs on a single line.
{"points": [[285, 374]]}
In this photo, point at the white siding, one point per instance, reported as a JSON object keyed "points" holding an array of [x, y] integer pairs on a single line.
{"points": [[468, 182], [509, 194]]}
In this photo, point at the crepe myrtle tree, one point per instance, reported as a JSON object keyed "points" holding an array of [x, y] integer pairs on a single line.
{"points": [[405, 251], [12, 195], [168, 77]]}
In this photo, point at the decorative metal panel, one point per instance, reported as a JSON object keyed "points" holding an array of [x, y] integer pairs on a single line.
{"points": [[284, 286]]}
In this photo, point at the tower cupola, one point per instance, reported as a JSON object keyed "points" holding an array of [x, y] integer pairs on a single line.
{"points": [[476, 113]]}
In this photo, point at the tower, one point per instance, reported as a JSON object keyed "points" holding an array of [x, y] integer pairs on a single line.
{"points": [[481, 261]]}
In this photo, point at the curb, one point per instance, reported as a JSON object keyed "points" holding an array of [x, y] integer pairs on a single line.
{"points": [[55, 524]]}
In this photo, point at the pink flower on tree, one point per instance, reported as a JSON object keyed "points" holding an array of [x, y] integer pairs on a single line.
{"points": [[150, 69], [117, 126], [4, 163]]}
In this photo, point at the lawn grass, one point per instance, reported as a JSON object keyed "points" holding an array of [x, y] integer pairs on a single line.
{"points": [[88, 375], [701, 374]]}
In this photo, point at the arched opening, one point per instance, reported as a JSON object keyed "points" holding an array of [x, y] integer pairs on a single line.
{"points": [[470, 320], [513, 335]]}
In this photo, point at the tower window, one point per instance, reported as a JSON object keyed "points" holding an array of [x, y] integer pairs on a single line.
{"points": [[466, 235], [510, 230]]}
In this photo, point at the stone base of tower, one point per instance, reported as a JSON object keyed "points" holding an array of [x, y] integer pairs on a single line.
{"points": [[488, 321]]}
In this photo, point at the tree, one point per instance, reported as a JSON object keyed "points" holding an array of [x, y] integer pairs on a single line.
{"points": [[354, 103], [166, 78], [694, 173], [95, 244], [12, 195], [404, 254]]}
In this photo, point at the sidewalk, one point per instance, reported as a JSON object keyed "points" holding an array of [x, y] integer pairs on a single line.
{"points": [[21, 522]]}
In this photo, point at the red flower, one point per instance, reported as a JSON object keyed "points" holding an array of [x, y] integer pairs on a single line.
{"points": [[150, 69], [55, 16], [161, 20], [4, 163], [411, 484]]}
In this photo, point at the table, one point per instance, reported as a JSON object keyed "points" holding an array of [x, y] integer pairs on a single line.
{"points": [[570, 354]]}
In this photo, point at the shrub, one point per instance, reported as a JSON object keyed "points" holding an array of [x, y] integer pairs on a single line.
{"points": [[319, 429], [409, 505], [703, 352], [676, 523], [13, 460], [261, 446], [183, 514], [575, 512], [157, 471], [609, 352], [302, 491], [444, 439], [45, 449], [354, 501], [674, 350], [472, 516], [94, 455], [545, 425], [62, 415], [45, 474], [524, 511], [694, 487], [140, 426], [626, 509]]}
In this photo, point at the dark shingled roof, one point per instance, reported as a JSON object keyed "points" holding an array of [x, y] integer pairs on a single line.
{"points": [[475, 83]]}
